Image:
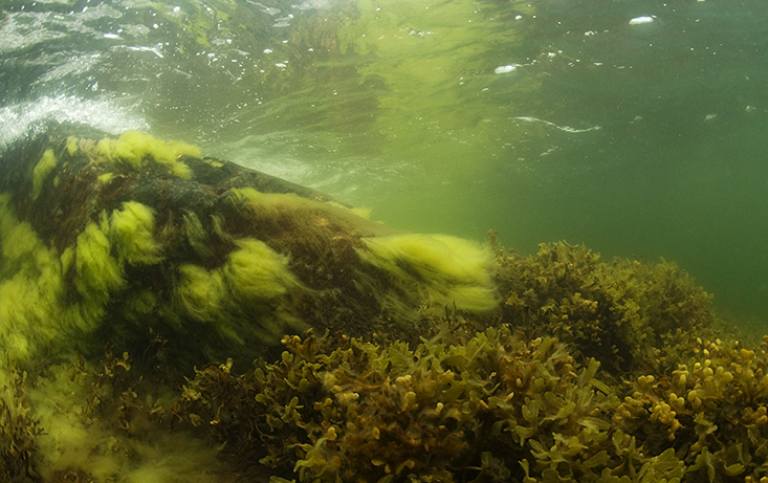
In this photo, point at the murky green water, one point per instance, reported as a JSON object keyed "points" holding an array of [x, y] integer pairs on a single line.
{"points": [[543, 120]]}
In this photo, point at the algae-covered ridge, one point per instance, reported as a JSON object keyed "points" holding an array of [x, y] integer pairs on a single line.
{"points": [[166, 317]]}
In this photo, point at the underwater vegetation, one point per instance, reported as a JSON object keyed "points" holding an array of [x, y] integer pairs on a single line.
{"points": [[630, 316], [166, 317], [335, 409], [500, 405], [18, 429], [493, 407]]}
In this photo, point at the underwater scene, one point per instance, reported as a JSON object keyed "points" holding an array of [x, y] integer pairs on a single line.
{"points": [[359, 241]]}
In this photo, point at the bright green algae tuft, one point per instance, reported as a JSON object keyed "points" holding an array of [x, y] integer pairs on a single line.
{"points": [[442, 269], [133, 149], [42, 170]]}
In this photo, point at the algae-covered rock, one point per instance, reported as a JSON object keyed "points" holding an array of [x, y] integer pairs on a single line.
{"points": [[121, 239]]}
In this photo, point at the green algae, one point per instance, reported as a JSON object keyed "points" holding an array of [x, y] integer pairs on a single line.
{"points": [[42, 170]]}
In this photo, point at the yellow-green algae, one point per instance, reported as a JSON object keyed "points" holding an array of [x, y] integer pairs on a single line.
{"points": [[66, 258], [255, 271], [448, 271], [31, 287], [196, 235], [305, 211], [72, 145], [201, 292], [212, 163], [95, 265], [134, 149], [33, 307], [93, 426], [131, 230], [43, 168], [98, 272], [246, 286]]}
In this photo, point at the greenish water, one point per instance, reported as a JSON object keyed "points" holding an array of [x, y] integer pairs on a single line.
{"points": [[542, 120]]}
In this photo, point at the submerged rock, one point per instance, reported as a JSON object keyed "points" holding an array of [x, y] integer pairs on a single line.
{"points": [[132, 239]]}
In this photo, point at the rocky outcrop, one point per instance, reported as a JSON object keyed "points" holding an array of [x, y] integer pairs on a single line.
{"points": [[131, 240]]}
